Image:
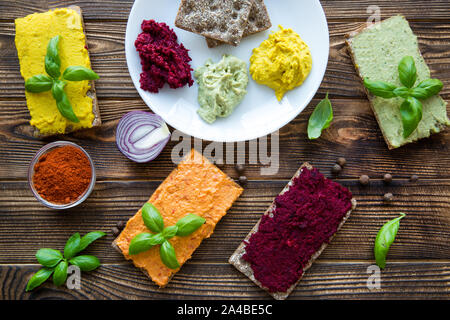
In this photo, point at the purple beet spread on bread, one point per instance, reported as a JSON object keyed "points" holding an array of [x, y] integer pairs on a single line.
{"points": [[304, 218], [163, 59]]}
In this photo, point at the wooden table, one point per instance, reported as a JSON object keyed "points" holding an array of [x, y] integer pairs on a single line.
{"points": [[418, 263]]}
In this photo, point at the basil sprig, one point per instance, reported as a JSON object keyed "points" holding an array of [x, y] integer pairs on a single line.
{"points": [[51, 81], [384, 239], [56, 263], [320, 119], [154, 222], [411, 108]]}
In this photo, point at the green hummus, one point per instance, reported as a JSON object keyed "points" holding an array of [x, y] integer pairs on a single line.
{"points": [[377, 52], [221, 87]]}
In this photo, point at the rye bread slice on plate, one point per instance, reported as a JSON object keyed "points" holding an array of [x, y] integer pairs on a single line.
{"points": [[258, 21], [388, 41], [90, 93], [220, 20], [245, 267]]}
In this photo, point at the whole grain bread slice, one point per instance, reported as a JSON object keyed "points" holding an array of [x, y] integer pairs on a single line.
{"points": [[220, 20], [90, 93], [245, 267], [258, 21]]}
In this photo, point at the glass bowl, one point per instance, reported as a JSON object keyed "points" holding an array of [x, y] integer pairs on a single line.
{"points": [[35, 159]]}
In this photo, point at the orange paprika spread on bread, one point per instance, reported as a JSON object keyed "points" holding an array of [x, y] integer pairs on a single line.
{"points": [[195, 186]]}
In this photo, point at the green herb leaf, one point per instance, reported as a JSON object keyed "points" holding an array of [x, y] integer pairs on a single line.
{"points": [[140, 243], [431, 87], [39, 83], [48, 257], [169, 232], [88, 238], [411, 113], [320, 119], [86, 262], [384, 239], [380, 88], [72, 246], [189, 224], [79, 73], [52, 60], [39, 278], [63, 103], [407, 71], [168, 257], [152, 218], [60, 275], [402, 92], [158, 239]]}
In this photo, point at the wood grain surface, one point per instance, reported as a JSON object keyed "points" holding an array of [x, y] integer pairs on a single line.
{"points": [[418, 263]]}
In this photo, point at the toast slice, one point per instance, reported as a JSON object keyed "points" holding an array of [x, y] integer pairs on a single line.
{"points": [[258, 21], [384, 44], [96, 122], [195, 186], [243, 266]]}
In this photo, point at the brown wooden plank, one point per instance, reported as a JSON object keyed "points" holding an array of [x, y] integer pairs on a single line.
{"points": [[106, 45], [353, 134], [334, 9], [424, 233], [325, 280]]}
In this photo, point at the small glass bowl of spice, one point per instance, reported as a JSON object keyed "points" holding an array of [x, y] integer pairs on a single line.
{"points": [[61, 175]]}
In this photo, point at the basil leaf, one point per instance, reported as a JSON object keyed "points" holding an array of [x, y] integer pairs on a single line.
{"points": [[169, 232], [39, 83], [88, 238], [189, 224], [140, 243], [380, 88], [86, 262], [384, 239], [52, 60], [48, 257], [320, 119], [431, 86], [60, 275], [420, 93], [402, 92], [63, 103], [407, 71], [79, 73], [72, 246], [158, 239], [152, 218], [39, 278], [58, 89], [168, 257], [411, 113]]}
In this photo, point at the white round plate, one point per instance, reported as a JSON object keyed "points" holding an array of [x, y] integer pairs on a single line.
{"points": [[259, 113]]}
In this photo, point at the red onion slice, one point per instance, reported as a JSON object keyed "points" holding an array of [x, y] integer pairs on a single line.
{"points": [[141, 136]]}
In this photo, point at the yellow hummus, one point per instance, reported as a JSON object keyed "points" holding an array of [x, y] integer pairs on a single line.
{"points": [[195, 186], [281, 62], [33, 33]]}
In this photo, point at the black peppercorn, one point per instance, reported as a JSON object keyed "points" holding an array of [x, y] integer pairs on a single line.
{"points": [[336, 169], [115, 231], [388, 197], [414, 178], [364, 180], [341, 161], [242, 180], [387, 178], [240, 168]]}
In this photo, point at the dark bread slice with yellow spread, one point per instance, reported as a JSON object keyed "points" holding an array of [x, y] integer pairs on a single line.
{"points": [[91, 92], [245, 267]]}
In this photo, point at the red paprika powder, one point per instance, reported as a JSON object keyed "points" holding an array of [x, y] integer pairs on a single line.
{"points": [[62, 175]]}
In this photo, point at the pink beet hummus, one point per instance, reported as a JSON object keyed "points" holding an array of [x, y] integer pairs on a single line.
{"points": [[305, 217], [163, 59]]}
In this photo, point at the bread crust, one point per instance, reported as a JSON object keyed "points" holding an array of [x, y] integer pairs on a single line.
{"points": [[90, 93], [244, 266]]}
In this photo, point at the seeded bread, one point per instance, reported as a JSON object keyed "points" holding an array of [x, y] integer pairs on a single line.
{"points": [[245, 267], [220, 20], [258, 21]]}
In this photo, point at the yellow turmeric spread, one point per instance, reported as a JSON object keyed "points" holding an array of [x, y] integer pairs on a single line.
{"points": [[33, 33], [195, 186], [282, 62]]}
